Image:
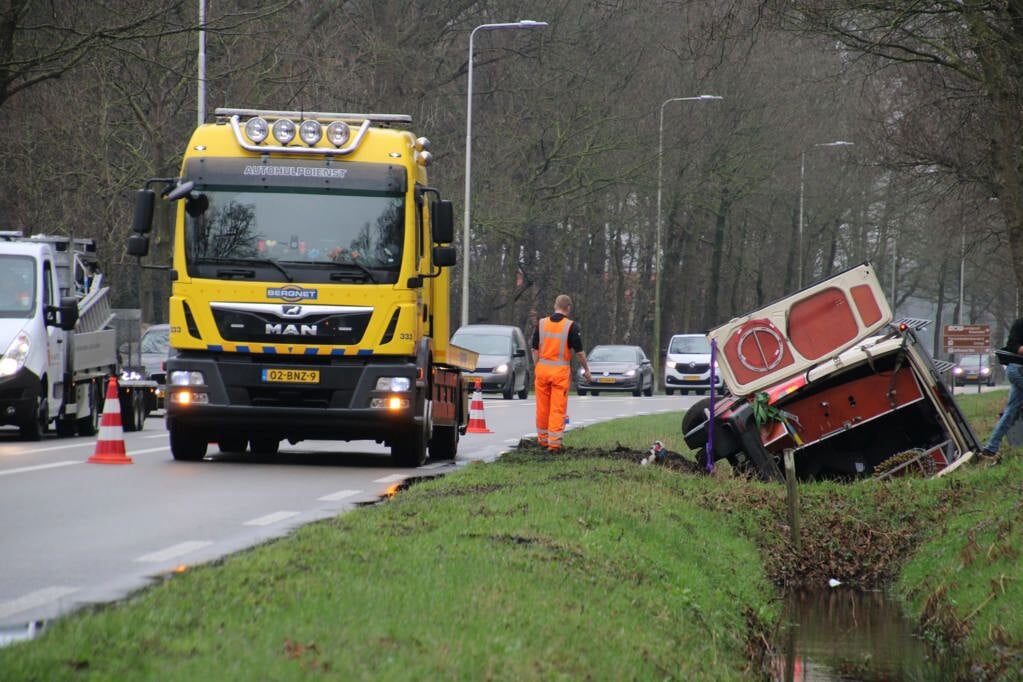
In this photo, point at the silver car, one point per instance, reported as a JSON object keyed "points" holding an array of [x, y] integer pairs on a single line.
{"points": [[617, 368]]}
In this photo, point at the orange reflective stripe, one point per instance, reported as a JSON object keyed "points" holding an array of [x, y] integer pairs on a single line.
{"points": [[553, 346]]}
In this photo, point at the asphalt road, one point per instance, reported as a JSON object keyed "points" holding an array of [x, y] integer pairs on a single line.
{"points": [[74, 532]]}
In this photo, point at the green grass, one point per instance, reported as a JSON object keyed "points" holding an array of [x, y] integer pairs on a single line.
{"points": [[568, 568], [524, 569]]}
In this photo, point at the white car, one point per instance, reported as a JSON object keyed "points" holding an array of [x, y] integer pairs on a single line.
{"points": [[687, 365]]}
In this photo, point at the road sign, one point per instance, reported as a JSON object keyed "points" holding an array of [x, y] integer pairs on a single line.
{"points": [[967, 338]]}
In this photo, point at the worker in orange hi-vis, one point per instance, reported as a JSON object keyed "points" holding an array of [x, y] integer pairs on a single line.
{"points": [[555, 339]]}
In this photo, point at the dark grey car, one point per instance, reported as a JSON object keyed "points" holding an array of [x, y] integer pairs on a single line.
{"points": [[617, 368], [503, 365], [155, 346]]}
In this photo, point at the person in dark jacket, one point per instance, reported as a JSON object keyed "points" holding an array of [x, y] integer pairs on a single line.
{"points": [[1014, 373]]}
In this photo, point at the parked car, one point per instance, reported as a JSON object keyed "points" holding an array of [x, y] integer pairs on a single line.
{"points": [[617, 368], [503, 365], [155, 345], [687, 365], [974, 369]]}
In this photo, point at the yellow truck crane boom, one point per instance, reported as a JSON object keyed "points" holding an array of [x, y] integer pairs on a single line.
{"points": [[310, 294]]}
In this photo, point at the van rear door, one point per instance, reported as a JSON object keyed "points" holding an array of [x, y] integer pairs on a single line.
{"points": [[789, 336]]}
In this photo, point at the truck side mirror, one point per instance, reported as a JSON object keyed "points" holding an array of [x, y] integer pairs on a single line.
{"points": [[138, 245], [142, 222], [444, 256], [443, 222], [64, 315]]}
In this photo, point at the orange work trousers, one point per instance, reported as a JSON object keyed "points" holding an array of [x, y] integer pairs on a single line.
{"points": [[552, 384]]}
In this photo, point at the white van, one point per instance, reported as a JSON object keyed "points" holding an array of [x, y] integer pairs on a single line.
{"points": [[687, 365]]}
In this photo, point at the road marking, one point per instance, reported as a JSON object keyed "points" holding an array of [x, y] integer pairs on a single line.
{"points": [[158, 435], [174, 551], [339, 495], [393, 478], [34, 599], [271, 518], [32, 451], [39, 467]]}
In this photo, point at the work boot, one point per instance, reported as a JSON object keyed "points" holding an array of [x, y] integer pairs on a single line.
{"points": [[988, 457]]}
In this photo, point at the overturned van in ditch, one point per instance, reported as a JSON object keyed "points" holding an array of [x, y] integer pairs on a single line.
{"points": [[827, 373]]}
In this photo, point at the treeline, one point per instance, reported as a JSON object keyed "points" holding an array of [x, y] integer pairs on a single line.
{"points": [[567, 129]]}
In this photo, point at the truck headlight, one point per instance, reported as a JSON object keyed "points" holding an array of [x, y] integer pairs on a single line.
{"points": [[395, 384], [186, 378], [257, 129], [15, 355], [283, 130]]}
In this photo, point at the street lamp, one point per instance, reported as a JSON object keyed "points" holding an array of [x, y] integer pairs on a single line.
{"points": [[802, 174], [657, 231], [524, 23]]}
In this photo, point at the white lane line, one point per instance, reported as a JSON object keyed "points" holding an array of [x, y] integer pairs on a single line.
{"points": [[271, 518], [339, 495], [158, 435], [39, 467], [393, 478], [79, 444], [174, 551], [34, 599]]}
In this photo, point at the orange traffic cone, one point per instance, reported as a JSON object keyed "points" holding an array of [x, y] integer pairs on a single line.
{"points": [[110, 443], [477, 422]]}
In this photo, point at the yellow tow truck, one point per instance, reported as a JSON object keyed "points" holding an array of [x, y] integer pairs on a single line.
{"points": [[310, 294]]}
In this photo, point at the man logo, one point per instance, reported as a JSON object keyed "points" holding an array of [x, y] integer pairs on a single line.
{"points": [[291, 310], [290, 329]]}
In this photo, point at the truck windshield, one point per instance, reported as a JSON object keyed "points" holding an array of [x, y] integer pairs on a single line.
{"points": [[17, 286], [245, 228]]}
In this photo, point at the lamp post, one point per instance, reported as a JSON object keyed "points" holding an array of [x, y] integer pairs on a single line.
{"points": [[524, 23], [657, 230], [802, 175], [201, 87]]}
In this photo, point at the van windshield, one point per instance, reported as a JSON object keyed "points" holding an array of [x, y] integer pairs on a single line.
{"points": [[484, 344], [696, 345], [17, 286]]}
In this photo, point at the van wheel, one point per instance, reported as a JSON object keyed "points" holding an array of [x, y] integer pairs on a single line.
{"points": [[35, 427], [669, 391], [89, 424]]}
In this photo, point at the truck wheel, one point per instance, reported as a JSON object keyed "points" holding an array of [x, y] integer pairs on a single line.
{"points": [[233, 444], [186, 447], [89, 424], [444, 444], [36, 427], [410, 451], [139, 402], [265, 445]]}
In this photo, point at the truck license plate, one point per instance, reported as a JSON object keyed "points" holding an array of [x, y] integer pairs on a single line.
{"points": [[291, 376]]}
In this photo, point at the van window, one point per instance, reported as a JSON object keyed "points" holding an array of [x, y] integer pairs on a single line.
{"points": [[696, 345]]}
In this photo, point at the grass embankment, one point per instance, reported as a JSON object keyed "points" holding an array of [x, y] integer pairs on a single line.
{"points": [[587, 566]]}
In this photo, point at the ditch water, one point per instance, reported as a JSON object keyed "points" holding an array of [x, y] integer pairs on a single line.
{"points": [[842, 635]]}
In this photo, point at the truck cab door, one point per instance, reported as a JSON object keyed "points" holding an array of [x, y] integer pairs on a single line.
{"points": [[58, 350]]}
